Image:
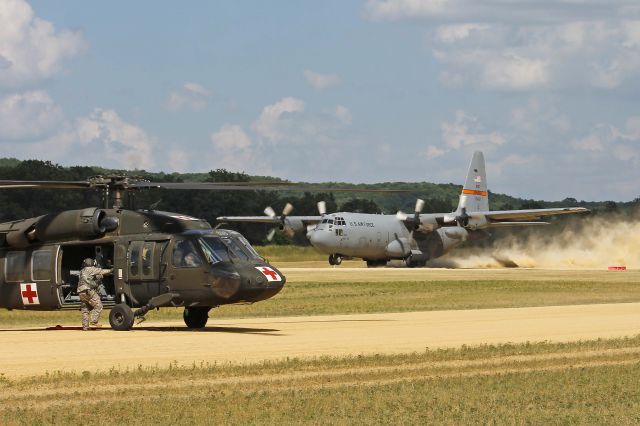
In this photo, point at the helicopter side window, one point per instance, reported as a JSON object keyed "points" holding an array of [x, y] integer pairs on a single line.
{"points": [[41, 265], [135, 255], [147, 255], [185, 255], [14, 266]]}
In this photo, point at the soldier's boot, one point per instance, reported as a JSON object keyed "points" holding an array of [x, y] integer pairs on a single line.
{"points": [[96, 325]]}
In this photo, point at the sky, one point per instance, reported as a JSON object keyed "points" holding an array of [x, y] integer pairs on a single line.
{"points": [[337, 90]]}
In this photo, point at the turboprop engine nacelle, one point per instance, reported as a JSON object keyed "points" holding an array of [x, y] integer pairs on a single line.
{"points": [[398, 248], [82, 224]]}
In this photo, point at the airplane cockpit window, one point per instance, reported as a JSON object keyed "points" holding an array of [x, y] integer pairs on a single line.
{"points": [[330, 221], [185, 255], [340, 221]]}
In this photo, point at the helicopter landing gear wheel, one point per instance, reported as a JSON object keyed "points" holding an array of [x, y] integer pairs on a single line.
{"points": [[121, 317], [335, 259], [196, 317]]}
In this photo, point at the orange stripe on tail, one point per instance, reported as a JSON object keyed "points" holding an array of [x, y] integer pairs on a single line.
{"points": [[474, 192]]}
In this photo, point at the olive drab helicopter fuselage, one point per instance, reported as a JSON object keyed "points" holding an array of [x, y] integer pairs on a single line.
{"points": [[158, 259], [40, 259]]}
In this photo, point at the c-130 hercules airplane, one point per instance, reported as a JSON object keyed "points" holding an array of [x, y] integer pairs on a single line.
{"points": [[417, 238]]}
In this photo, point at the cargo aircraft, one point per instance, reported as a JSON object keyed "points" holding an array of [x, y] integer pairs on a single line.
{"points": [[415, 238]]}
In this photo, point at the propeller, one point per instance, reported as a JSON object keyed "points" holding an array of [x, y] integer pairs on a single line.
{"points": [[461, 219], [286, 211], [416, 215]]}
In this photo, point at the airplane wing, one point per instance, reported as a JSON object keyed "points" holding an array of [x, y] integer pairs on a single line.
{"points": [[489, 219], [524, 216]]}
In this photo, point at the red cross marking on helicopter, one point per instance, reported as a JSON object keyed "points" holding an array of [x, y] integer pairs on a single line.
{"points": [[269, 273], [29, 296]]}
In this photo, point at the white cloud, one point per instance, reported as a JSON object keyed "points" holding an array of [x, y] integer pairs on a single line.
{"points": [[233, 149], [104, 134], [28, 116], [605, 140], [434, 152], [272, 122], [191, 95], [321, 81], [30, 48], [454, 33], [522, 45], [466, 130], [343, 114]]}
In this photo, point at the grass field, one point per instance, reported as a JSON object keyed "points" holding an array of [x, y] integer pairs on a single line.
{"points": [[587, 382], [346, 291]]}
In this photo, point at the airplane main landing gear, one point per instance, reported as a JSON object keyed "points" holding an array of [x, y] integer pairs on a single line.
{"points": [[335, 259], [413, 263], [376, 263]]}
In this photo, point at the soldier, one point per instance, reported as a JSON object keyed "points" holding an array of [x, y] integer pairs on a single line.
{"points": [[90, 304]]}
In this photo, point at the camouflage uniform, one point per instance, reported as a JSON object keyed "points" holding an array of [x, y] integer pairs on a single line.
{"points": [[90, 304]]}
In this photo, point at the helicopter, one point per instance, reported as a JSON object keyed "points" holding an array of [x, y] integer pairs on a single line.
{"points": [[40, 257]]}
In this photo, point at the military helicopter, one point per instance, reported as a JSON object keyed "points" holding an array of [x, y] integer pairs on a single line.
{"points": [[159, 259]]}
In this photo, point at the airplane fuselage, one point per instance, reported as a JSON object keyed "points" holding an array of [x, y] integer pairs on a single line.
{"points": [[377, 237]]}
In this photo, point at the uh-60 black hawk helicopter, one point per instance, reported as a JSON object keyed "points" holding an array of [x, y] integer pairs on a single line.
{"points": [[159, 259]]}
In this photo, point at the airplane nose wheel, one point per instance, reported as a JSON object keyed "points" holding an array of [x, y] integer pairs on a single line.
{"points": [[335, 259]]}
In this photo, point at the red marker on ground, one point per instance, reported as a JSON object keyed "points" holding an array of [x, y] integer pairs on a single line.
{"points": [[617, 268]]}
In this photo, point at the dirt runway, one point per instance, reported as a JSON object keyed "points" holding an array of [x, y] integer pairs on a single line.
{"points": [[35, 351]]}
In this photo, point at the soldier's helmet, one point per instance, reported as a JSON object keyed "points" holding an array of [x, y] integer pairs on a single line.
{"points": [[87, 262]]}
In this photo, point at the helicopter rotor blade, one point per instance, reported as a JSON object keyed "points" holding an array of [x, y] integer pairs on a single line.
{"points": [[45, 184]]}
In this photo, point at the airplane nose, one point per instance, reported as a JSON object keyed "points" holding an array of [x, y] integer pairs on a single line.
{"points": [[316, 239]]}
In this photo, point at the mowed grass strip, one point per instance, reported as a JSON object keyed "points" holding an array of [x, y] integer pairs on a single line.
{"points": [[340, 297], [585, 382]]}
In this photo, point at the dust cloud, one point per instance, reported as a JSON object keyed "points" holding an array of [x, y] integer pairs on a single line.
{"points": [[589, 243]]}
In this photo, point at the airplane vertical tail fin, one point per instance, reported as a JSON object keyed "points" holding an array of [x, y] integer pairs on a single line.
{"points": [[474, 196]]}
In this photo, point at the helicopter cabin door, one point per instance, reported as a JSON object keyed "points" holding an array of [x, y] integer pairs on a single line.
{"points": [[144, 269], [186, 270]]}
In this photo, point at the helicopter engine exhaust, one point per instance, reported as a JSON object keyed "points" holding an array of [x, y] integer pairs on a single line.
{"points": [[83, 224]]}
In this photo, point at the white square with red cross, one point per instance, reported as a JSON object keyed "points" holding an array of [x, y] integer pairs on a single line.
{"points": [[29, 293], [269, 273]]}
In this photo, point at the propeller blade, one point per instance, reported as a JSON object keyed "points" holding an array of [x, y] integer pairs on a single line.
{"points": [[269, 211], [419, 205], [288, 208], [322, 208], [402, 215], [271, 234]]}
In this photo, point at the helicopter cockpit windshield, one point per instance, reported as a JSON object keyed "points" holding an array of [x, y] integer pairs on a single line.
{"points": [[227, 248]]}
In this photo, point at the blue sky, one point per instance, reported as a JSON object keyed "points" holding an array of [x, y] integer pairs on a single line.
{"points": [[359, 91]]}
